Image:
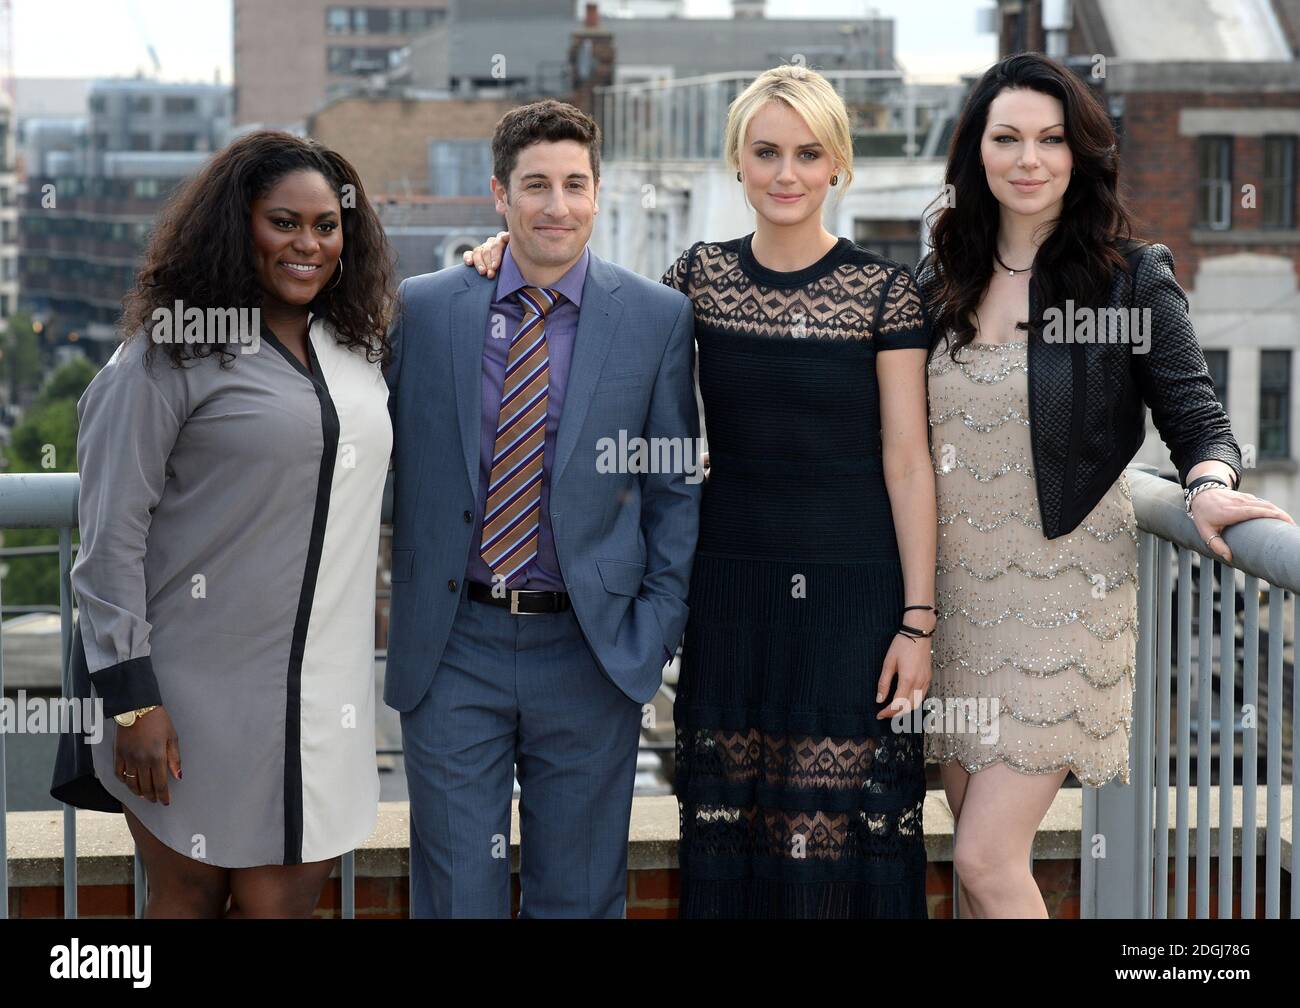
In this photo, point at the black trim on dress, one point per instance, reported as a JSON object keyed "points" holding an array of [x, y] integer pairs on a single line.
{"points": [[293, 814]]}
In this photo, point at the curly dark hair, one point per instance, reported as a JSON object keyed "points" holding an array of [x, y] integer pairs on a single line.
{"points": [[549, 121], [1078, 259], [201, 249]]}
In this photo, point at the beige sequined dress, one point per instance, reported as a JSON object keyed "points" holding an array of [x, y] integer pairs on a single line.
{"points": [[1034, 649]]}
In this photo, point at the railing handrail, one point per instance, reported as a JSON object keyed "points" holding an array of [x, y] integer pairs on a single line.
{"points": [[49, 500], [38, 500], [1267, 548], [728, 76]]}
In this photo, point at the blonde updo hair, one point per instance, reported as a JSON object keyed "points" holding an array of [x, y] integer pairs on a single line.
{"points": [[809, 94]]}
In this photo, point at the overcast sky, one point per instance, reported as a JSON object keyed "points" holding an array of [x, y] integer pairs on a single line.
{"points": [[106, 38]]}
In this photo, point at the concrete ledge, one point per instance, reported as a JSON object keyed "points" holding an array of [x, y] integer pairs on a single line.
{"points": [[105, 851]]}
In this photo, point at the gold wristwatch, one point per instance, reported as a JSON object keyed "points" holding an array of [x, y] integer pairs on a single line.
{"points": [[129, 718]]}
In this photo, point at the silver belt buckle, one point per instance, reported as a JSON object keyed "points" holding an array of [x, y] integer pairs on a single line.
{"points": [[514, 604]]}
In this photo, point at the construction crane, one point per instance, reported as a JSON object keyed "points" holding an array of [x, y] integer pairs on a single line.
{"points": [[144, 35]]}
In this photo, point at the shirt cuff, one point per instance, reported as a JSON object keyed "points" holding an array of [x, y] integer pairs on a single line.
{"points": [[127, 686]]}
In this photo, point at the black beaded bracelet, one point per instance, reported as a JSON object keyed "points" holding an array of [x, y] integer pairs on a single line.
{"points": [[911, 632], [1211, 478]]}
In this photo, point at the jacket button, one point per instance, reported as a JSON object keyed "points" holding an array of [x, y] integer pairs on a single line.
{"points": [[451, 586], [468, 517]]}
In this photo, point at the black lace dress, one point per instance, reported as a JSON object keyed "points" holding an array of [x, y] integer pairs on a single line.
{"points": [[795, 800]]}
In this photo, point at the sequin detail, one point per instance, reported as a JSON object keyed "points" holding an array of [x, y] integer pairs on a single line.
{"points": [[1043, 632]]}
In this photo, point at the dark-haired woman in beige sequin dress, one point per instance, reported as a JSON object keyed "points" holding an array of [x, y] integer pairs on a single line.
{"points": [[1039, 633], [1037, 551]]}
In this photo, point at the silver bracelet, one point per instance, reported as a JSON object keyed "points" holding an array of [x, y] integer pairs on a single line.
{"points": [[1189, 495]]}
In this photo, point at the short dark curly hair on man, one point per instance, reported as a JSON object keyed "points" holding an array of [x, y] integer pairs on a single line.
{"points": [[544, 121]]}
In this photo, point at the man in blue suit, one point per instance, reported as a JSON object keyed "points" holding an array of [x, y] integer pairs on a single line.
{"points": [[536, 593]]}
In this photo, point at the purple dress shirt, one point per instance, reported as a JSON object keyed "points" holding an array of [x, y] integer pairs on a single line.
{"points": [[543, 571]]}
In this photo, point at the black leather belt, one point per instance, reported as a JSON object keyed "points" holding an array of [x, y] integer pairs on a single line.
{"points": [[519, 601]]}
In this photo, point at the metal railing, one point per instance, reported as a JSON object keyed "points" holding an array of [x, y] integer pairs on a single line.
{"points": [[681, 118], [49, 501], [1131, 879]]}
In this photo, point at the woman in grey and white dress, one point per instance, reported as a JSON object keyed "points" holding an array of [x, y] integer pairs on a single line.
{"points": [[230, 509]]}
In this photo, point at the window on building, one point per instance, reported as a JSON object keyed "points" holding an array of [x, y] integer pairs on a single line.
{"points": [[180, 106], [179, 142], [97, 104], [459, 167], [359, 61], [899, 240], [141, 142], [381, 20], [1275, 404], [1277, 195], [141, 104], [338, 21], [1214, 189], [1217, 360]]}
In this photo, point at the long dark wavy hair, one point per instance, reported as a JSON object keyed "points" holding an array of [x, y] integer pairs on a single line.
{"points": [[1078, 258], [201, 249]]}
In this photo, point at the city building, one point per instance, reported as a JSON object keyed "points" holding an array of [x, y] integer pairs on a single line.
{"points": [[290, 55], [8, 212], [92, 191], [467, 53]]}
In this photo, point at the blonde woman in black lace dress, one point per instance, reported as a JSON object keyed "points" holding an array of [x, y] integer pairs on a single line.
{"points": [[800, 792]]}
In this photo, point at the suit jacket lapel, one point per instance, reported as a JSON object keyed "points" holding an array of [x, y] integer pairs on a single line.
{"points": [[469, 316], [598, 319]]}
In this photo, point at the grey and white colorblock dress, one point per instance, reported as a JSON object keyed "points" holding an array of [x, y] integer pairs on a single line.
{"points": [[229, 533]]}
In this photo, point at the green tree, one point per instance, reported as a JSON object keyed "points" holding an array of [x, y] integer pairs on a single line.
{"points": [[20, 356], [45, 441]]}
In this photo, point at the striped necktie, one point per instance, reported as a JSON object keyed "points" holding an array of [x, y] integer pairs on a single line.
{"points": [[512, 514]]}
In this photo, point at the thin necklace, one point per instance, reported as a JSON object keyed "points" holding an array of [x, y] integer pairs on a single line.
{"points": [[1010, 272]]}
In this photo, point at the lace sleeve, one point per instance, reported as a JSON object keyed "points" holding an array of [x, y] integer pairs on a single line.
{"points": [[901, 321], [678, 275]]}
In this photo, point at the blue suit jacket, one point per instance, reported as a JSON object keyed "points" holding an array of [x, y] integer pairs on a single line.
{"points": [[625, 541]]}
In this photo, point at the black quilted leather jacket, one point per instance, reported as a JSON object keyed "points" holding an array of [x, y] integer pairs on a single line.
{"points": [[1087, 401]]}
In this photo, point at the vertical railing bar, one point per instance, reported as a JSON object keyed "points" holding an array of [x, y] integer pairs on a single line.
{"points": [[1227, 728], [1142, 727], [1163, 642], [1273, 827], [1204, 676], [1295, 777], [1249, 744], [65, 653], [1087, 863], [4, 794], [1182, 748], [348, 885], [140, 884]]}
